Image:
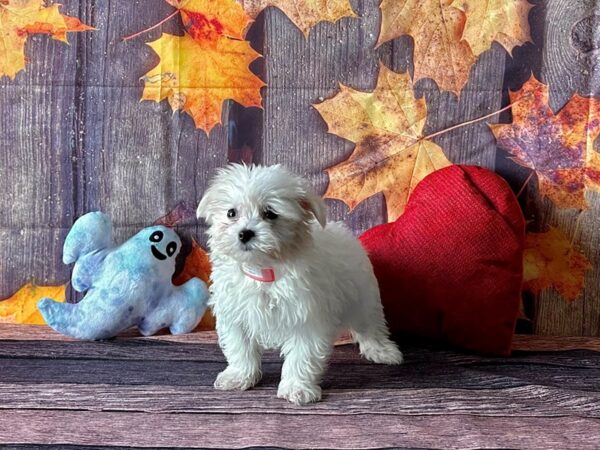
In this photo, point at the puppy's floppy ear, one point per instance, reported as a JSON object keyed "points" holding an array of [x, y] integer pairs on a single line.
{"points": [[315, 205], [203, 207]]}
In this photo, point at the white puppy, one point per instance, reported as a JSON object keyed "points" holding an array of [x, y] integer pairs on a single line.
{"points": [[284, 278]]}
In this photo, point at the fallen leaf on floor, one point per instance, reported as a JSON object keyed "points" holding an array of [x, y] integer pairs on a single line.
{"points": [[303, 13], [391, 154], [21, 18], [559, 147], [551, 260], [22, 306]]}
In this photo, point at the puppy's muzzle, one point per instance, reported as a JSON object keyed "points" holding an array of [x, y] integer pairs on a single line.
{"points": [[246, 235]]}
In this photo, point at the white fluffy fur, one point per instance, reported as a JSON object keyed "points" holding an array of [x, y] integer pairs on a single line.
{"points": [[325, 282]]}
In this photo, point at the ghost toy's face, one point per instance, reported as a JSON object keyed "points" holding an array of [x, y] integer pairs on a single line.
{"points": [[153, 248], [162, 248], [162, 243]]}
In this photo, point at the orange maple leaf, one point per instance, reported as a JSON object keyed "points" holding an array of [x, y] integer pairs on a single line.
{"points": [[22, 306], [197, 264], [19, 19], [209, 19], [304, 13], [198, 71], [197, 78], [436, 28], [551, 261], [558, 147], [506, 22], [391, 155]]}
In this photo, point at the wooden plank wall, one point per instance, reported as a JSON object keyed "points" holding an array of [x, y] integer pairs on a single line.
{"points": [[36, 178], [568, 63], [75, 137]]}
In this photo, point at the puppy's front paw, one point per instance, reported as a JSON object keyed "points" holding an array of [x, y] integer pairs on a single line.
{"points": [[299, 393], [232, 378]]}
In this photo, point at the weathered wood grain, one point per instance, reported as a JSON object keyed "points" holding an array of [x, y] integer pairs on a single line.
{"points": [[569, 49], [142, 349], [569, 66], [96, 447], [20, 332], [44, 337], [339, 375], [553, 343], [37, 138], [525, 401], [293, 431], [141, 392]]}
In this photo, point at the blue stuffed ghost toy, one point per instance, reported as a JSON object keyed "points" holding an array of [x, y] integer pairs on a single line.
{"points": [[126, 285]]}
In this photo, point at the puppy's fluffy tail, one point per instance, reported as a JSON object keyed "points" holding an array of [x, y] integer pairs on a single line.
{"points": [[378, 347]]}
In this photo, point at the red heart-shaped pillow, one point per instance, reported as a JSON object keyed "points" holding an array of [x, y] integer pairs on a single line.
{"points": [[451, 266]]}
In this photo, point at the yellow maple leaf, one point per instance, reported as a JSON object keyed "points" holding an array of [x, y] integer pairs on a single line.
{"points": [[436, 28], [391, 155], [198, 76], [550, 260], [22, 306], [304, 13], [208, 19], [506, 22], [19, 19], [559, 146]]}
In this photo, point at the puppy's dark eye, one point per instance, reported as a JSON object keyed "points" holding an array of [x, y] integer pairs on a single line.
{"points": [[171, 248], [156, 236], [269, 214], [231, 213]]}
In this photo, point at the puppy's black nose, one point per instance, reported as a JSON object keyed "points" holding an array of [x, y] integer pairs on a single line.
{"points": [[246, 235]]}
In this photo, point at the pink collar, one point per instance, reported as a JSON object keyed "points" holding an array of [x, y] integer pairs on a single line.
{"points": [[263, 274]]}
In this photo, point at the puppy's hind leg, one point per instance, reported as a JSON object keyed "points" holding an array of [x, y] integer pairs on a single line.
{"points": [[372, 335], [377, 347]]}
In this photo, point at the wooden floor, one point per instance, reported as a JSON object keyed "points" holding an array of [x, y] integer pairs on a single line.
{"points": [[157, 392]]}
